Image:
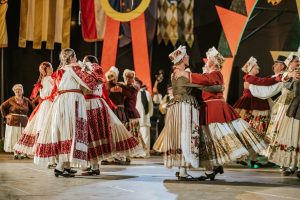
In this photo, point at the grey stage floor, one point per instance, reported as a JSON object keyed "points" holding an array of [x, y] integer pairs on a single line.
{"points": [[144, 179]]}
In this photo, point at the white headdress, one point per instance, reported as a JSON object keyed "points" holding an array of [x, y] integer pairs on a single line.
{"points": [[289, 59], [127, 71], [299, 52], [178, 54], [249, 64], [17, 86], [114, 70], [215, 56]]}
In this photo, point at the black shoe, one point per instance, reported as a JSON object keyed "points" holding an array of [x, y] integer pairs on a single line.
{"points": [[210, 176], [16, 157], [218, 170], [65, 174], [288, 171], [71, 171], [202, 178], [122, 162], [91, 172]]}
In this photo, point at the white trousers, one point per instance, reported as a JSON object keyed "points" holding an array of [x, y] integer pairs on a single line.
{"points": [[145, 131]]}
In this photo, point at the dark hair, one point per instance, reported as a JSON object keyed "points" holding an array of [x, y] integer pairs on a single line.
{"points": [[139, 81], [91, 59]]}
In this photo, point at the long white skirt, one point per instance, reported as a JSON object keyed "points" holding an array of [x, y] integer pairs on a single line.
{"points": [[12, 134], [221, 143], [285, 149], [179, 138], [107, 134], [27, 142], [67, 129]]}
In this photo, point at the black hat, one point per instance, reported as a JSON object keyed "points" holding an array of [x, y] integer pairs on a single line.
{"points": [[281, 59]]}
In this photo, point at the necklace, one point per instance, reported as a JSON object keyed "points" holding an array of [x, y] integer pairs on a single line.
{"points": [[19, 101]]}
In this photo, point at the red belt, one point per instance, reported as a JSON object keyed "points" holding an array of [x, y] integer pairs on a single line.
{"points": [[72, 90], [92, 96]]}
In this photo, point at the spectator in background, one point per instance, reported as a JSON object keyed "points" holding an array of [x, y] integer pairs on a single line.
{"points": [[144, 105], [15, 110]]}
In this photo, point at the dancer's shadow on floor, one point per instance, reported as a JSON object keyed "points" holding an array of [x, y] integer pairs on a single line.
{"points": [[106, 177], [221, 182]]}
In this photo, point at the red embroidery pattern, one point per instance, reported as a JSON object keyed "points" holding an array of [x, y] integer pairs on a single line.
{"points": [[124, 145], [284, 147], [98, 72], [86, 77], [81, 135], [99, 150], [53, 149], [100, 134], [27, 140]]}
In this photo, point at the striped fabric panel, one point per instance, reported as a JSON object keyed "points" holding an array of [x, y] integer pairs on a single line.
{"points": [[93, 20], [3, 28], [45, 21]]}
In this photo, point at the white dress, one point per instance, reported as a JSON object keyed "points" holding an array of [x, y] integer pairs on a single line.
{"points": [[107, 134], [66, 121], [27, 141]]}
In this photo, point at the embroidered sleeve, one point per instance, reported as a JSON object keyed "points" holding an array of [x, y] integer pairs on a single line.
{"points": [[260, 81], [84, 79], [97, 72], [36, 90]]}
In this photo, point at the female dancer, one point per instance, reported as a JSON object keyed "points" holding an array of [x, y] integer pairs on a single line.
{"points": [[224, 137], [179, 139], [107, 135], [253, 110], [44, 86], [284, 150], [66, 121]]}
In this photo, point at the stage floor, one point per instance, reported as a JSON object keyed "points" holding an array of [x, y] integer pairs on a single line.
{"points": [[144, 179]]}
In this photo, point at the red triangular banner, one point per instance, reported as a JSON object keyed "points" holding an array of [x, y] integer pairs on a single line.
{"points": [[249, 5], [233, 25], [226, 71]]}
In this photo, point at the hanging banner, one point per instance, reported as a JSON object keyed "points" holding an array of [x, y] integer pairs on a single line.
{"points": [[110, 43], [139, 39], [93, 20], [175, 22], [3, 28], [45, 21]]}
